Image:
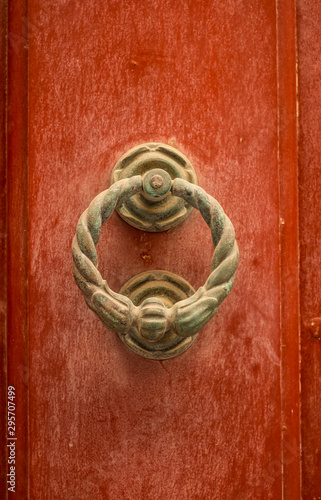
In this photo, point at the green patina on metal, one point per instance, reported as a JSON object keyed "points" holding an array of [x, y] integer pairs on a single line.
{"points": [[158, 290], [149, 211], [156, 314]]}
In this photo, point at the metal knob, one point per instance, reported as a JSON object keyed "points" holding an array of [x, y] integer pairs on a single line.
{"points": [[157, 314]]}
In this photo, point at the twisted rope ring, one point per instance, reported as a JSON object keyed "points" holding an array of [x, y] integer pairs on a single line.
{"points": [[117, 312]]}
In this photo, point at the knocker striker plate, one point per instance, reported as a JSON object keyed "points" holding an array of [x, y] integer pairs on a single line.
{"points": [[169, 288], [140, 211]]}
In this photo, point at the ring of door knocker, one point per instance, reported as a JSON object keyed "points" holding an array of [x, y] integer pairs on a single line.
{"points": [[157, 314]]}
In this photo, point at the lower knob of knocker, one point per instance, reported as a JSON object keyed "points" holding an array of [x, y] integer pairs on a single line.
{"points": [[156, 292], [153, 322]]}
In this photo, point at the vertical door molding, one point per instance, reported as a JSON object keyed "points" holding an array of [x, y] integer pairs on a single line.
{"points": [[309, 156], [17, 233], [289, 247]]}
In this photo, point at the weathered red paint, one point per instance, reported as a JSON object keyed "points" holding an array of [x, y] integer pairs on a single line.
{"points": [[289, 249], [17, 233], [217, 81], [309, 47], [106, 78], [3, 208]]}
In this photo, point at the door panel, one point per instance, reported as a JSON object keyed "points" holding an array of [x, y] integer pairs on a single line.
{"points": [[106, 78]]}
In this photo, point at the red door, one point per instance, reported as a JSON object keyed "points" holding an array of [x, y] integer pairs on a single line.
{"points": [[217, 80]]}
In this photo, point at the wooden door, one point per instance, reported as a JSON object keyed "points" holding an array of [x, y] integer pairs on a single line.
{"points": [[86, 81]]}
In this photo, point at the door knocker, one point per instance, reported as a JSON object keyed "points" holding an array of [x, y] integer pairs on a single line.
{"points": [[157, 314]]}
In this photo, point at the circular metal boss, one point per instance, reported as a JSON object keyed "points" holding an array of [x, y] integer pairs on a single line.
{"points": [[168, 288], [156, 209]]}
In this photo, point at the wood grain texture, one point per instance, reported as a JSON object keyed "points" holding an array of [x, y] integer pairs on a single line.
{"points": [[309, 49], [3, 250], [218, 82], [289, 249], [104, 77], [17, 232]]}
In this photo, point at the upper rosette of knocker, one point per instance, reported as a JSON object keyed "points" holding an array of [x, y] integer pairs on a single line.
{"points": [[155, 209]]}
